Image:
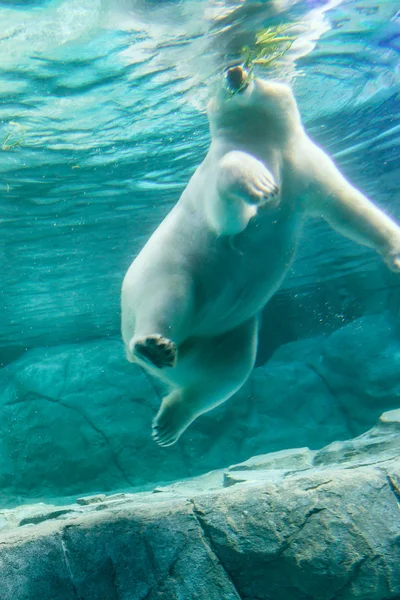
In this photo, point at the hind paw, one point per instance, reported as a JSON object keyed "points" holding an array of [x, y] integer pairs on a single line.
{"points": [[174, 416], [157, 350]]}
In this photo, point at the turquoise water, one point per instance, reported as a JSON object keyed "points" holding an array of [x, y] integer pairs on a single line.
{"points": [[111, 98], [102, 122]]}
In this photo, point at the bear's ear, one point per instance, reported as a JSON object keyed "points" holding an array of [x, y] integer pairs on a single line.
{"points": [[276, 91], [285, 98]]}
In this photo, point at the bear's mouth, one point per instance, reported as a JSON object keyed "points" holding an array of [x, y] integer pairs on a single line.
{"points": [[237, 79]]}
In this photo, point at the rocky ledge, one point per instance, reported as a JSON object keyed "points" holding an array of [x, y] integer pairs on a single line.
{"points": [[290, 525]]}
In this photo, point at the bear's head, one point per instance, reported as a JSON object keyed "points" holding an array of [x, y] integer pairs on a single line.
{"points": [[256, 107]]}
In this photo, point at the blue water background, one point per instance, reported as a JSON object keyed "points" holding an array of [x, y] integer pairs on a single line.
{"points": [[107, 99]]}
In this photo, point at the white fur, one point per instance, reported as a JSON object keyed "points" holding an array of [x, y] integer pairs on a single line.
{"points": [[210, 267]]}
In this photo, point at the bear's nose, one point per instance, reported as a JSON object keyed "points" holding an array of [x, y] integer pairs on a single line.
{"points": [[236, 78]]}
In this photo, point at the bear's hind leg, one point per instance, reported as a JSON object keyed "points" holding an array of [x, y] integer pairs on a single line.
{"points": [[211, 370], [160, 324], [175, 415]]}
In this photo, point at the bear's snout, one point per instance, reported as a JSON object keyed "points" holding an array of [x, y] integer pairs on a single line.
{"points": [[236, 78]]}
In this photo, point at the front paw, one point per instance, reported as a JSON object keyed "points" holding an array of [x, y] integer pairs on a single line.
{"points": [[263, 192], [243, 177], [259, 186]]}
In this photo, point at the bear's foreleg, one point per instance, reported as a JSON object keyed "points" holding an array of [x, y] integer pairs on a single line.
{"points": [[211, 371], [353, 215], [242, 184]]}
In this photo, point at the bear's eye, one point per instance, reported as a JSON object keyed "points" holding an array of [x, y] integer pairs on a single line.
{"points": [[237, 79]]}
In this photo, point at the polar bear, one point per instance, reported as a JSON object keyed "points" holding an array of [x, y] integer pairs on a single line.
{"points": [[192, 297]]}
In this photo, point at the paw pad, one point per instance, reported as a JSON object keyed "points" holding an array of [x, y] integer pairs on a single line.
{"points": [[157, 350]]}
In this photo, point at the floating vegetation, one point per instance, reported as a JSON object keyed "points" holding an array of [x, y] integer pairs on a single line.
{"points": [[270, 45], [15, 137]]}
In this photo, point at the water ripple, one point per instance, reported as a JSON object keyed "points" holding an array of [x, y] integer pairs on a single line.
{"points": [[107, 98]]}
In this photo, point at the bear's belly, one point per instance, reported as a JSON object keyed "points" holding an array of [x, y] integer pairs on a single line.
{"points": [[237, 276]]}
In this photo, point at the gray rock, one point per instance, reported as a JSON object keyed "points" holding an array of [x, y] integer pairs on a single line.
{"points": [[85, 500], [382, 443], [360, 365], [293, 459], [320, 532], [234, 477]]}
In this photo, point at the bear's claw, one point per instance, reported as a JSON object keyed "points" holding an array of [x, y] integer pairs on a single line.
{"points": [[264, 194], [272, 197], [164, 438], [157, 350]]}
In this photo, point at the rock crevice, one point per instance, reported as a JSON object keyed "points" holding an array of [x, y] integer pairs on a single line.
{"points": [[202, 522]]}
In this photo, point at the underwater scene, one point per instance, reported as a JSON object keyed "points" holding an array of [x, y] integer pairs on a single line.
{"points": [[200, 300]]}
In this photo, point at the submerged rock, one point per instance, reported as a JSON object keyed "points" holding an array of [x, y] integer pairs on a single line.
{"points": [[76, 419], [300, 525]]}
